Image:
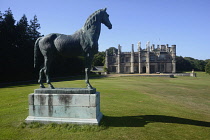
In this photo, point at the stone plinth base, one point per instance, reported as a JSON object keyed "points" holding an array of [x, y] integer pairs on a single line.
{"points": [[80, 106]]}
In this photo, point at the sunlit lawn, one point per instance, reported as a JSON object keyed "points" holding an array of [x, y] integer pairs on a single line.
{"points": [[133, 108]]}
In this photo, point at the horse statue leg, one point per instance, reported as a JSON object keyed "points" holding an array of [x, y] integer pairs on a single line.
{"points": [[87, 70], [41, 72], [47, 62]]}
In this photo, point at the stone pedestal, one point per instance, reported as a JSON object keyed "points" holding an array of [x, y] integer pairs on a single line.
{"points": [[65, 105]]}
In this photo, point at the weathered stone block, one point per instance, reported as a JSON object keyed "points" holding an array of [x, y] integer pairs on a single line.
{"points": [[58, 106], [65, 91]]}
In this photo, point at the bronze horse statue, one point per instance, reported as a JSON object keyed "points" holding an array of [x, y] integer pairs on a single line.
{"points": [[83, 41]]}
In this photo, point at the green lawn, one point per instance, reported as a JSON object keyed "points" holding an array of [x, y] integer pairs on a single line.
{"points": [[142, 108]]}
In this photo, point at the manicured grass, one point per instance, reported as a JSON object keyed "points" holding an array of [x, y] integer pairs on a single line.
{"points": [[143, 108]]}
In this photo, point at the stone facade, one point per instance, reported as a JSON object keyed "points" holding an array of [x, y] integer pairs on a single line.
{"points": [[149, 60]]}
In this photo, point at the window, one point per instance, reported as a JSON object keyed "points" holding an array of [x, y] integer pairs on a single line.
{"points": [[128, 59], [152, 58], [162, 57], [143, 59], [113, 69], [113, 60], [161, 67], [122, 59], [127, 69], [136, 69], [136, 59]]}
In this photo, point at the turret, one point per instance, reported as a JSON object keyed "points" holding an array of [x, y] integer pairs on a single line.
{"points": [[132, 58], [132, 48], [139, 46], [173, 47], [118, 58], [167, 48], [119, 49], [147, 58], [163, 48], [114, 51], [139, 55], [106, 60], [158, 47], [152, 47], [148, 46]]}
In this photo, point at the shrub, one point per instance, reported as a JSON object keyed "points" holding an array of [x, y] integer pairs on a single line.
{"points": [[207, 68]]}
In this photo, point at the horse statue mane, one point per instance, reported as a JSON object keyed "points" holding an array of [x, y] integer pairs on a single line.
{"points": [[92, 19], [93, 39]]}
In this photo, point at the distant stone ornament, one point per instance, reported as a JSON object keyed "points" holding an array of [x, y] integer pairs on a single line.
{"points": [[84, 41]]}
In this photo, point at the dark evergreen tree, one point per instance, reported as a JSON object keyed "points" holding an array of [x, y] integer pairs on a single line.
{"points": [[1, 30], [23, 32], [8, 48], [1, 20], [8, 29], [2, 43], [25, 46], [33, 29]]}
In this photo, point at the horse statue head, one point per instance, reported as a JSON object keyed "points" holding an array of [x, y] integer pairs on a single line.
{"points": [[99, 16], [105, 19], [92, 29]]}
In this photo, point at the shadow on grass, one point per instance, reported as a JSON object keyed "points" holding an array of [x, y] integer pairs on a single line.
{"points": [[141, 121]]}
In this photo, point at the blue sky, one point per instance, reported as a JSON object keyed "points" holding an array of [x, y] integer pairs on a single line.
{"points": [[185, 23]]}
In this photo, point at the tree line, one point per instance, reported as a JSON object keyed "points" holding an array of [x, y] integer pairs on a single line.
{"points": [[17, 40], [189, 64]]}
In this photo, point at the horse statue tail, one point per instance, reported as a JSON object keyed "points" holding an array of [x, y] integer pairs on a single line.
{"points": [[37, 52]]}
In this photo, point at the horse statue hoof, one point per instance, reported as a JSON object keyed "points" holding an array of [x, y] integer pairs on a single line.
{"points": [[51, 87], [89, 87], [42, 86]]}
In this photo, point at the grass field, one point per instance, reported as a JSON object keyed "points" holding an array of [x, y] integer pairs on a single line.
{"points": [[144, 108]]}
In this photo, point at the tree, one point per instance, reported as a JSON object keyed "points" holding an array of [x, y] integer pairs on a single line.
{"points": [[33, 29], [182, 64], [112, 50], [8, 34], [16, 49], [99, 59], [1, 20], [200, 64], [23, 32], [207, 67], [25, 45], [1, 28], [189, 63]]}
